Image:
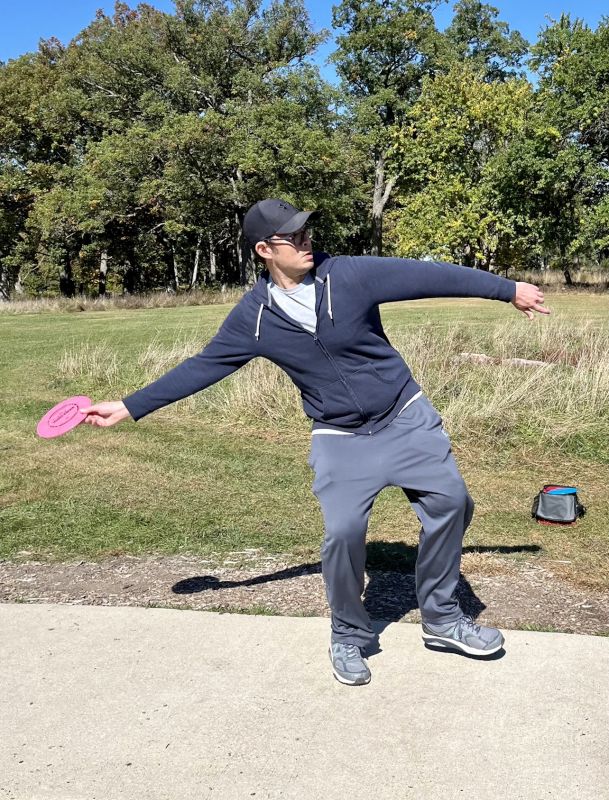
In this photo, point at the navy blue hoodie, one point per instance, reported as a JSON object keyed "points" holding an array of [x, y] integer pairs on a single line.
{"points": [[349, 376]]}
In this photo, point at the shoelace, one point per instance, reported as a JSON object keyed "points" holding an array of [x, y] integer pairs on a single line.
{"points": [[466, 621], [351, 651]]}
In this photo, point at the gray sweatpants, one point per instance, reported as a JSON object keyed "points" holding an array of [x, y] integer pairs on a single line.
{"points": [[413, 452]]}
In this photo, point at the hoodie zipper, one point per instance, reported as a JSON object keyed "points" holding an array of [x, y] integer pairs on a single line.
{"points": [[323, 348], [321, 345]]}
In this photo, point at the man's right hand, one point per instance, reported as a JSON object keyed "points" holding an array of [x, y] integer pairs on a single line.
{"points": [[105, 414]]}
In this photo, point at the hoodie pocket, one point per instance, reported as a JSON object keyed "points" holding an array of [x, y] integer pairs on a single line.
{"points": [[362, 392]]}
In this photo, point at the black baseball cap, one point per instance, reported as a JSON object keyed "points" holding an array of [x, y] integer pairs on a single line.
{"points": [[269, 217]]}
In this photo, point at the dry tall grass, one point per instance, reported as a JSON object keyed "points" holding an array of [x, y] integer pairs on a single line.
{"points": [[568, 397], [555, 279], [96, 362], [198, 297]]}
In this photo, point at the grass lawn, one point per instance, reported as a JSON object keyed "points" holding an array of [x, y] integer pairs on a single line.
{"points": [[190, 479]]}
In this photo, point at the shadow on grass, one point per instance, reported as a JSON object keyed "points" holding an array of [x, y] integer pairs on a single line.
{"points": [[391, 590]]}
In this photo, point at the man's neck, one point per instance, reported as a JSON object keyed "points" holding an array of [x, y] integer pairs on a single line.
{"points": [[286, 280]]}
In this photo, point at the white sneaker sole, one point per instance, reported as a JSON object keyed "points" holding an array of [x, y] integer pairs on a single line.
{"points": [[453, 644]]}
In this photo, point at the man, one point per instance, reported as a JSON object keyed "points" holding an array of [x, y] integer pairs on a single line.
{"points": [[317, 317]]}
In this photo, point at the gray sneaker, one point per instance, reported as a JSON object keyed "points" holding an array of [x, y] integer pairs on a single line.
{"points": [[348, 665], [464, 635]]}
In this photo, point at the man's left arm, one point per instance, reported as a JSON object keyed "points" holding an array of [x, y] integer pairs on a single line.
{"points": [[392, 279]]}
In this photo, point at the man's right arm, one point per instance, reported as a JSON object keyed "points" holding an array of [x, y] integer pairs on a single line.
{"points": [[226, 352]]}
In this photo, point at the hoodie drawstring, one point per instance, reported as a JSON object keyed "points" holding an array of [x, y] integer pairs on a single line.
{"points": [[270, 300], [257, 334]]}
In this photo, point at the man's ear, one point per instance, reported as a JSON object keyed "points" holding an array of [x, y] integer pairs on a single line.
{"points": [[263, 250]]}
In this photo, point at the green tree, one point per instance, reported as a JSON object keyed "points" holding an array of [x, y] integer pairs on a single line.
{"points": [[477, 36], [383, 51], [573, 64], [154, 134], [448, 151], [34, 151]]}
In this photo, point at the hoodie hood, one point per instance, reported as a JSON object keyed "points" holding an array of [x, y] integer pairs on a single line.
{"points": [[322, 264]]}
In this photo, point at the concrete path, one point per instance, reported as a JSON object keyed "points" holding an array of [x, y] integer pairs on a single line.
{"points": [[100, 703]]}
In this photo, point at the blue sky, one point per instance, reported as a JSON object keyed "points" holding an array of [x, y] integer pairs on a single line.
{"points": [[24, 23]]}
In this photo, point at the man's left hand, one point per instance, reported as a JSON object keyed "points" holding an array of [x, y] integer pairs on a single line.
{"points": [[529, 298]]}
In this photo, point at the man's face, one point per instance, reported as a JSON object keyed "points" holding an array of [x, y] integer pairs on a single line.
{"points": [[291, 251]]}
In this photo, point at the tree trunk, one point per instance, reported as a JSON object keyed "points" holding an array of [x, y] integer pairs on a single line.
{"points": [[565, 267], [195, 269], [213, 260], [251, 267], [485, 264], [176, 276], [5, 288], [172, 283], [66, 282], [382, 190], [468, 258], [242, 248], [376, 239], [18, 288], [103, 272], [130, 279]]}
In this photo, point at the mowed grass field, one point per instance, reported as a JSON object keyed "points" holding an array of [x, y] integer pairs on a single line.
{"points": [[227, 469]]}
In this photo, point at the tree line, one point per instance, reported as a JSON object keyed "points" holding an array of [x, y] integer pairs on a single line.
{"points": [[129, 156]]}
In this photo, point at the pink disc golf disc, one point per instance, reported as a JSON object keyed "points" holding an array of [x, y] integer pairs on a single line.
{"points": [[63, 417]]}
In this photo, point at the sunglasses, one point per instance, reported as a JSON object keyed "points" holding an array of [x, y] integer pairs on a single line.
{"points": [[295, 239]]}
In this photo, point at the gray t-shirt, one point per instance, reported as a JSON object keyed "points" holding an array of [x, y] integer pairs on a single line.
{"points": [[298, 303]]}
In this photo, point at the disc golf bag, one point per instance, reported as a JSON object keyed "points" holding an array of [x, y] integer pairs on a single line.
{"points": [[557, 505]]}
